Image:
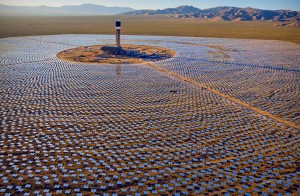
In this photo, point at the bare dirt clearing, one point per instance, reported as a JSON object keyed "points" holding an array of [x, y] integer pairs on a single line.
{"points": [[133, 54]]}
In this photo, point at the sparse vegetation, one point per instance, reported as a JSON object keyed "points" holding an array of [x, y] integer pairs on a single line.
{"points": [[146, 25]]}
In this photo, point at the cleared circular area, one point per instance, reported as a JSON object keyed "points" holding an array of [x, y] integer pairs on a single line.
{"points": [[110, 54]]}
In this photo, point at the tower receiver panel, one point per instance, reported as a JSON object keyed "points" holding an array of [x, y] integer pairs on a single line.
{"points": [[118, 24]]}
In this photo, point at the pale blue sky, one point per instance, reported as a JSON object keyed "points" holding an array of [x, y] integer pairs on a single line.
{"points": [[161, 4]]}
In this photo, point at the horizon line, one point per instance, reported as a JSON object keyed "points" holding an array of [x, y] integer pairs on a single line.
{"points": [[138, 9]]}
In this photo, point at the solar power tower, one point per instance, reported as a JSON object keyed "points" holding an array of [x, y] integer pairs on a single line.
{"points": [[118, 33]]}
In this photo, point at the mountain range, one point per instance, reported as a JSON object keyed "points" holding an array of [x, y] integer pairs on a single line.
{"points": [[217, 13], [71, 10], [224, 13]]}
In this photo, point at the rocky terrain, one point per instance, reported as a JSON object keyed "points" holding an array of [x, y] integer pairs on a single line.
{"points": [[224, 13]]}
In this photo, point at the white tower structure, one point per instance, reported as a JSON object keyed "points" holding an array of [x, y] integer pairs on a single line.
{"points": [[118, 32]]}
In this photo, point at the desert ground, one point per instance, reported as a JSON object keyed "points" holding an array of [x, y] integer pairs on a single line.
{"points": [[11, 26], [220, 117], [127, 54]]}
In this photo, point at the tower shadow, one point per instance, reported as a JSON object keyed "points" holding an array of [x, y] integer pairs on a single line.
{"points": [[118, 72]]}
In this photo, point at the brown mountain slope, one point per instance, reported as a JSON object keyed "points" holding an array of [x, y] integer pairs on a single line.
{"points": [[224, 13]]}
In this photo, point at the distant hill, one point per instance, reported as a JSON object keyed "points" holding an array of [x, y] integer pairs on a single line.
{"points": [[224, 13], [72, 10], [178, 10]]}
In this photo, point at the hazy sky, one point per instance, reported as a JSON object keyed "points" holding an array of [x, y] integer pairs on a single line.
{"points": [[160, 4]]}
